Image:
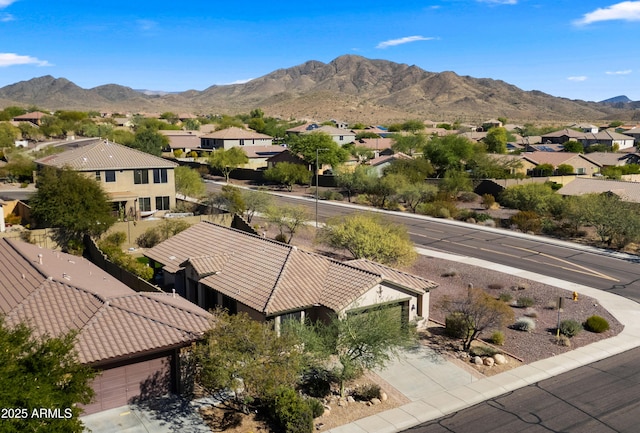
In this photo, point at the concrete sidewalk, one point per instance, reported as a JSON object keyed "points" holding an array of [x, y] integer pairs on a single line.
{"points": [[437, 390]]}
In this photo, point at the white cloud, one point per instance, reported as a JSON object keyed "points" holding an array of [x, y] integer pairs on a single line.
{"points": [[499, 2], [626, 11], [5, 18], [5, 3], [577, 78], [241, 81], [625, 72], [12, 59], [405, 40]]}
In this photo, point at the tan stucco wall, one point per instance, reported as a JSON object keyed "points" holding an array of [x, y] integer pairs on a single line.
{"points": [[383, 293]]}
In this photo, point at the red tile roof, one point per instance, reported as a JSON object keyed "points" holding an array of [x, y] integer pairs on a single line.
{"points": [[56, 292], [269, 276]]}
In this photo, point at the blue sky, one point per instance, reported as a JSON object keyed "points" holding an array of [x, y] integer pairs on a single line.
{"points": [[574, 49]]}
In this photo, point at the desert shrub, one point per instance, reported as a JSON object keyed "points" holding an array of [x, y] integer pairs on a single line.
{"points": [[331, 195], [505, 297], [570, 328], [530, 312], [317, 383], [563, 340], [281, 238], [456, 325], [149, 239], [482, 217], [483, 351], [290, 412], [525, 324], [527, 221], [525, 302], [520, 286], [438, 209], [495, 286], [497, 338], [366, 392], [468, 196], [552, 305], [449, 272], [596, 324], [488, 200], [317, 409]]}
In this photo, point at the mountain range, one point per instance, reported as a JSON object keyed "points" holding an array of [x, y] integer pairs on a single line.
{"points": [[349, 88]]}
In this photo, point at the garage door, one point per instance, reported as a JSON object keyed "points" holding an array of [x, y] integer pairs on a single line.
{"points": [[120, 385]]}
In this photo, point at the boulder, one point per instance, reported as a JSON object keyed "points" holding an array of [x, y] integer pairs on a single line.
{"points": [[476, 360], [350, 399], [375, 401], [383, 396], [500, 359], [489, 362]]}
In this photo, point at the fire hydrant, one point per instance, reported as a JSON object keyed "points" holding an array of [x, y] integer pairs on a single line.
{"points": [[575, 296]]}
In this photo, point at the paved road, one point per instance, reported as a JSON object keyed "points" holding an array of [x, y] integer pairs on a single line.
{"points": [[603, 397], [582, 266]]}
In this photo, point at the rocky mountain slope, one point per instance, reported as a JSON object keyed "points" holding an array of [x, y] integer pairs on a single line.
{"points": [[350, 88]]}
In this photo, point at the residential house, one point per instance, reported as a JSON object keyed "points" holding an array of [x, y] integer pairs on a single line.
{"points": [[518, 165], [286, 156], [133, 339], [381, 162], [123, 122], [138, 184], [234, 137], [608, 138], [578, 161], [627, 191], [34, 117], [260, 155], [214, 266], [186, 141], [633, 132], [562, 136], [547, 147], [585, 127], [379, 146], [340, 136], [612, 159]]}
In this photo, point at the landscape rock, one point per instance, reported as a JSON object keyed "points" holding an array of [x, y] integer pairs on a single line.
{"points": [[375, 401], [477, 360], [350, 399], [489, 362], [500, 359], [383, 396]]}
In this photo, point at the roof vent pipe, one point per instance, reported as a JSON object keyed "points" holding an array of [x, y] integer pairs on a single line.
{"points": [[40, 259]]}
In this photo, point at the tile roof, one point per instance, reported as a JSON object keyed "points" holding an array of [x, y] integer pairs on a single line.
{"points": [[375, 143], [235, 133], [56, 292], [627, 191], [314, 127], [554, 158], [269, 276], [387, 158], [104, 155]]}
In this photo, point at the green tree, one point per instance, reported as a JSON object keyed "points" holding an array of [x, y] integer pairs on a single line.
{"points": [[496, 140], [8, 113], [255, 202], [189, 182], [52, 127], [330, 152], [161, 232], [413, 125], [360, 341], [228, 160], [451, 152], [381, 191], [543, 170], [478, 312], [288, 219], [170, 117], [415, 169], [537, 197], [368, 236], [353, 181], [248, 357], [455, 182], [150, 141], [191, 124], [111, 246], [564, 169], [42, 372], [408, 144], [616, 222], [231, 198], [414, 194], [288, 174], [8, 134], [573, 147], [20, 166], [30, 131], [74, 205]]}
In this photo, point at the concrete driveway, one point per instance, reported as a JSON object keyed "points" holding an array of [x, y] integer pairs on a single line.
{"points": [[164, 415]]}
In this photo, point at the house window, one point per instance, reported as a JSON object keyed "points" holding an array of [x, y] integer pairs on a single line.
{"points": [[145, 204], [98, 176], [341, 138], [159, 175], [140, 176], [162, 203], [580, 170], [241, 142], [296, 316], [110, 176]]}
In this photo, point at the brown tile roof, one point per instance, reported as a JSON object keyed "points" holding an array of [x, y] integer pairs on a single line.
{"points": [[268, 276], [375, 143], [627, 191], [553, 158], [404, 279], [55, 292], [387, 158], [104, 155], [235, 133]]}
